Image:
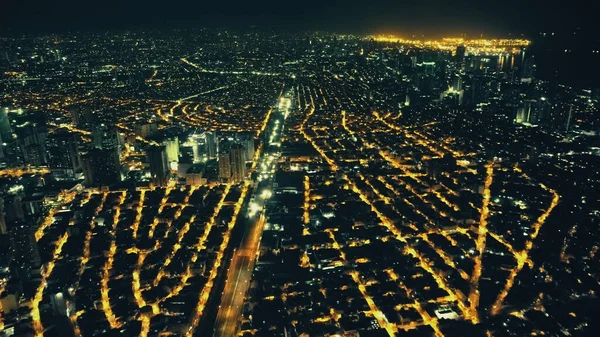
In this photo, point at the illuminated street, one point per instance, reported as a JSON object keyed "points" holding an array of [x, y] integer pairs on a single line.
{"points": [[242, 263], [277, 181]]}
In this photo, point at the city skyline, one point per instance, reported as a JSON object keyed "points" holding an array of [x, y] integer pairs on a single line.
{"points": [[244, 182]]}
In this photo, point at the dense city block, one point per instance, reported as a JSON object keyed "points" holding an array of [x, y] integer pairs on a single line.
{"points": [[211, 182]]}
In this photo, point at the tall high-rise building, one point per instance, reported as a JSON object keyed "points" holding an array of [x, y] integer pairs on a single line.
{"points": [[11, 150], [569, 118], [460, 53], [34, 155], [32, 143], [521, 116], [5, 130], [159, 165], [238, 163], [249, 144], [146, 130], [519, 58], [596, 94], [101, 167], [3, 227], [4, 217], [13, 209], [59, 304], [476, 91], [82, 117], [457, 83], [529, 112], [30, 129], [172, 148], [212, 145], [543, 110], [224, 167], [105, 137], [528, 69], [25, 250], [196, 142], [63, 158]]}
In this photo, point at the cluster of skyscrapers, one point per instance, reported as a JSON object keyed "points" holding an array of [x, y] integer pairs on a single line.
{"points": [[232, 160]]}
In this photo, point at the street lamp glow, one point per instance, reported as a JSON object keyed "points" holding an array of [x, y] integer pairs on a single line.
{"points": [[253, 209], [266, 194]]}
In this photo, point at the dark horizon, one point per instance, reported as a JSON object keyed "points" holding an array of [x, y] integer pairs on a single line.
{"points": [[571, 22], [431, 18]]}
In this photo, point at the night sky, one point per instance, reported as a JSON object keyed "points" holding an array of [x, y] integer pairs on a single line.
{"points": [[431, 17]]}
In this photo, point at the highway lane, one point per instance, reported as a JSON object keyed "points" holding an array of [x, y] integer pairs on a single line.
{"points": [[240, 270], [238, 281]]}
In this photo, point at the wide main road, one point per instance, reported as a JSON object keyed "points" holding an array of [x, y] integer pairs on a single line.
{"points": [[238, 281], [241, 267]]}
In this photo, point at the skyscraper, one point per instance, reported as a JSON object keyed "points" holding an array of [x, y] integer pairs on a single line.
{"points": [[11, 210], [34, 154], [212, 145], [460, 53], [249, 144], [528, 112], [105, 137], [3, 228], [476, 92], [172, 148], [5, 131], [238, 163], [82, 117], [457, 83], [528, 69], [224, 167], [11, 151], [25, 250], [159, 165], [63, 157], [197, 147], [101, 167], [30, 129], [146, 130]]}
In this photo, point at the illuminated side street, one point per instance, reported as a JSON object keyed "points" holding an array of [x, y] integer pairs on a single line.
{"points": [[481, 241], [248, 176]]}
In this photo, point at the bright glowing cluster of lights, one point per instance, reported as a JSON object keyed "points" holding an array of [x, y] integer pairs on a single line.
{"points": [[473, 46], [19, 172]]}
